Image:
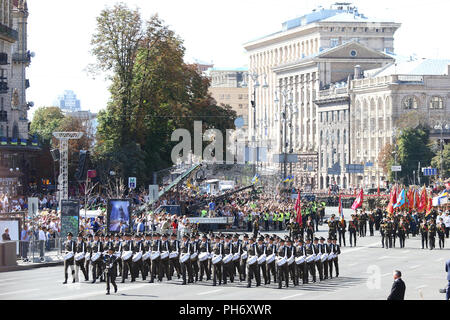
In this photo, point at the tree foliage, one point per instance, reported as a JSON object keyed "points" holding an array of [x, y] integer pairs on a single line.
{"points": [[45, 121], [436, 161]]}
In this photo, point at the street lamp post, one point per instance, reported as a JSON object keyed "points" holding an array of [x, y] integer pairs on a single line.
{"points": [[254, 76]]}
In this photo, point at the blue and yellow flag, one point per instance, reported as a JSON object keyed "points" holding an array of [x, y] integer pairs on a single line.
{"points": [[255, 179]]}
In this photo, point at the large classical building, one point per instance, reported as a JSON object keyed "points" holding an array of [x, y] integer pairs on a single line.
{"points": [[309, 54], [17, 150]]}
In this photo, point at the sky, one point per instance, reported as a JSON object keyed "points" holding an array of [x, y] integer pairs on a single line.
{"points": [[59, 33]]}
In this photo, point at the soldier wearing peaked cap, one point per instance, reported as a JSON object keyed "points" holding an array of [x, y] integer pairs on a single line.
{"points": [[227, 267], [164, 263], [155, 247], [128, 245], [88, 253], [318, 263], [336, 249], [311, 251], [139, 246], [186, 248], [174, 263], [236, 249], [110, 262], [244, 247], [252, 266], [81, 247], [302, 271], [194, 258], [69, 260], [282, 271], [217, 250], [271, 248], [292, 267], [204, 247], [97, 265]]}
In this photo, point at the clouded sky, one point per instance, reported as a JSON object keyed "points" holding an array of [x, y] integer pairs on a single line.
{"points": [[213, 30]]}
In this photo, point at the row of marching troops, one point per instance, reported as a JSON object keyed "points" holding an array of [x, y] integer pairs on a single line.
{"points": [[219, 257]]}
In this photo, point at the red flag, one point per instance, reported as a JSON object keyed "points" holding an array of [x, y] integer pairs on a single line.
{"points": [[423, 201], [429, 206], [298, 209], [359, 200], [378, 191], [392, 200]]}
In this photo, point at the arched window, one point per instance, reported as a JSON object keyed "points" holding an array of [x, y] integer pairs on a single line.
{"points": [[436, 102], [410, 102]]}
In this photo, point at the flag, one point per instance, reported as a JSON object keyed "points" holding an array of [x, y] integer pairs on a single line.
{"points": [[429, 205], [392, 200], [359, 200], [440, 199], [341, 211], [255, 179], [411, 196], [416, 199], [401, 201], [298, 209], [288, 179], [423, 201]]}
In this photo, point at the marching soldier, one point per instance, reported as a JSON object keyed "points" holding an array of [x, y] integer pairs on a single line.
{"points": [[371, 223], [292, 267], [217, 267], [423, 228], [118, 248], [164, 263], [252, 269], [97, 246], [383, 234], [244, 261], [441, 233], [81, 247], [319, 264], [194, 261], [271, 248], [302, 271], [88, 253], [236, 248], [174, 263], [128, 245], [402, 233], [309, 228], [204, 246], [147, 248], [110, 262], [323, 249], [155, 264], [352, 228], [332, 225], [432, 234], [336, 249], [310, 250], [342, 226], [329, 247], [227, 271], [70, 247], [186, 248], [138, 265], [283, 271], [261, 249]]}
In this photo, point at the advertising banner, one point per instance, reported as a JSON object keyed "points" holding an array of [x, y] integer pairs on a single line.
{"points": [[70, 217], [119, 215]]}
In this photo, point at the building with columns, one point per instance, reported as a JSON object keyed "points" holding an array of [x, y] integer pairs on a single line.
{"points": [[307, 55]]}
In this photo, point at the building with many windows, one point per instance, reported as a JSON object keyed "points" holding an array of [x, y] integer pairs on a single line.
{"points": [[68, 102]]}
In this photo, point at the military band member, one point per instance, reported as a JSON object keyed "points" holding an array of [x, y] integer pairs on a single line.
{"points": [[441, 233], [110, 262], [363, 224], [342, 228], [253, 269], [164, 263], [186, 248], [282, 271], [227, 271], [97, 246], [118, 248], [383, 234], [174, 263], [236, 248], [302, 271], [336, 249], [244, 261], [147, 248], [69, 246], [204, 246], [88, 253], [156, 247], [432, 234], [423, 228], [323, 247], [194, 261], [261, 249], [128, 245], [217, 268], [81, 247], [319, 264], [292, 267], [309, 228], [309, 249], [352, 228], [138, 266], [270, 267]]}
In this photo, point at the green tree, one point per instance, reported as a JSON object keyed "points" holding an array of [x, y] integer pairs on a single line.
{"points": [[436, 161], [45, 121]]}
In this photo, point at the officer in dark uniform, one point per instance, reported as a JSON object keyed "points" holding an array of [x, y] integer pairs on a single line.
{"points": [[88, 253], [97, 246], [253, 270], [156, 247], [336, 249], [332, 226], [244, 261], [217, 249], [261, 249], [342, 228], [352, 228], [309, 228], [441, 233], [371, 223], [423, 228], [432, 234], [174, 263], [323, 247], [301, 272], [236, 248], [282, 271], [70, 246], [194, 261], [164, 263], [204, 246], [270, 267], [226, 267], [118, 248], [383, 234], [110, 262], [81, 247], [292, 267], [310, 250], [186, 248], [138, 266], [319, 264], [128, 245], [402, 230], [147, 248]]}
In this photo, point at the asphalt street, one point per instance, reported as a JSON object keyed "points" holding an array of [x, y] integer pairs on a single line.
{"points": [[365, 274]]}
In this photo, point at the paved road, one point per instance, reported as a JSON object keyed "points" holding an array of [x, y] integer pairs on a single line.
{"points": [[365, 273]]}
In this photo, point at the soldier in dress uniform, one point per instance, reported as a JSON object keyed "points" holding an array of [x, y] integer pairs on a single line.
{"points": [[236, 248], [292, 267], [97, 246], [164, 263], [128, 245], [282, 271], [432, 234], [186, 248], [147, 248], [271, 248], [309, 228], [204, 246], [441, 233], [138, 266], [402, 232], [261, 249], [383, 233], [156, 247], [352, 228], [118, 248], [302, 271], [342, 228], [69, 246], [371, 223], [81, 247], [253, 270], [336, 249], [217, 249], [310, 250], [174, 263], [329, 246], [244, 261], [226, 267], [194, 261], [88, 253], [323, 248], [110, 262], [319, 264], [423, 228], [332, 225]]}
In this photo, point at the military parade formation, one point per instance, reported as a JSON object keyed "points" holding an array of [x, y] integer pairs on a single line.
{"points": [[219, 258]]}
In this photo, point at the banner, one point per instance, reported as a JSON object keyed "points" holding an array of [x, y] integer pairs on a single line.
{"points": [[118, 216], [221, 220], [70, 217]]}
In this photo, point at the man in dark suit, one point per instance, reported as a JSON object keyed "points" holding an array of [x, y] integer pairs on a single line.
{"points": [[398, 288], [447, 269]]}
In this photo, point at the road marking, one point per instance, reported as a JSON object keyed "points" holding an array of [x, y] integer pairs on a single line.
{"points": [[384, 257], [295, 295], [405, 251], [11, 279], [20, 291], [209, 292], [360, 248], [421, 287], [386, 274], [414, 267], [439, 260], [353, 264]]}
